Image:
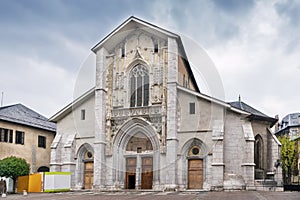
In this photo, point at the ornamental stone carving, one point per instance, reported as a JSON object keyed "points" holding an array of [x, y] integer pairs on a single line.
{"points": [[151, 114]]}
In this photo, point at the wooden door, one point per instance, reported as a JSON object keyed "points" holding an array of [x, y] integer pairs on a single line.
{"points": [[130, 173], [147, 173], [195, 174], [88, 175]]}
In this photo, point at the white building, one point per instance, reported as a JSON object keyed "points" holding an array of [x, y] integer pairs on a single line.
{"points": [[146, 125]]}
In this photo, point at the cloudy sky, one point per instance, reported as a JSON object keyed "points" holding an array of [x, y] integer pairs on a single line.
{"points": [[254, 44]]}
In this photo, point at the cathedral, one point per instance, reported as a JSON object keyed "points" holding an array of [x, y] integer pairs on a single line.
{"points": [[146, 125]]}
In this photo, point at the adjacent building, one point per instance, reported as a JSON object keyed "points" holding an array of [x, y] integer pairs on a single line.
{"points": [[147, 125], [26, 134], [290, 126]]}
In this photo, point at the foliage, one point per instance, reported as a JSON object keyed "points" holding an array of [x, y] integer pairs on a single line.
{"points": [[12, 167], [288, 158]]}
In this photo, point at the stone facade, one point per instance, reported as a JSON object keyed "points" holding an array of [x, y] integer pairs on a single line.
{"points": [[147, 125]]}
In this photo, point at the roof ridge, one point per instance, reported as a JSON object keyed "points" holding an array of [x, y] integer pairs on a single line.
{"points": [[21, 114], [7, 106]]}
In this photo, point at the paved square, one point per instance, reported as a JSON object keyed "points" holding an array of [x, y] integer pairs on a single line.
{"points": [[240, 195]]}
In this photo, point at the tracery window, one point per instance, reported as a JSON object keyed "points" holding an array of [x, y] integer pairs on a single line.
{"points": [[139, 86]]}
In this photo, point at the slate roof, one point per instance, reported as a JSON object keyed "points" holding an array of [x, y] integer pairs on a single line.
{"points": [[20, 114], [245, 107], [291, 120], [255, 114]]}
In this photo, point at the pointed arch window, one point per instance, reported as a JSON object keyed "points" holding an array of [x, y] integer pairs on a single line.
{"points": [[258, 152], [139, 86]]}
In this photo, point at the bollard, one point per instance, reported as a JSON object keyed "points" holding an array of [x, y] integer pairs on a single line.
{"points": [[24, 193]]}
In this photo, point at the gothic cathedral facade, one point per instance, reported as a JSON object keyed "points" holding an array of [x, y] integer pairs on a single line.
{"points": [[146, 125]]}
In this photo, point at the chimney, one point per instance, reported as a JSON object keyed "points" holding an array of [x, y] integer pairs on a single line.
{"points": [[277, 123]]}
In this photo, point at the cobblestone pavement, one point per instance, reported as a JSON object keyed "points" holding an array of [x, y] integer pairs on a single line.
{"points": [[241, 195]]}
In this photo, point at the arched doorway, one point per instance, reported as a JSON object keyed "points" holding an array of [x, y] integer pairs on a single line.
{"points": [[88, 170], [43, 169], [85, 167], [140, 145], [195, 168], [194, 162], [136, 155]]}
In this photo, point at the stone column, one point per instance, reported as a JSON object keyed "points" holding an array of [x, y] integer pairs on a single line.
{"points": [[248, 165], [138, 172], [171, 138], [217, 170], [100, 111], [67, 158]]}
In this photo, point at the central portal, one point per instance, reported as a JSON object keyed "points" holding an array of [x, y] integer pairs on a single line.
{"points": [[139, 163]]}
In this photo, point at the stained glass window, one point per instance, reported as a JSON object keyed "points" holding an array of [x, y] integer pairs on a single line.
{"points": [[139, 86]]}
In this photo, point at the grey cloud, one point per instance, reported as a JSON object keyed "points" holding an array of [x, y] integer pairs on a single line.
{"points": [[203, 21], [290, 10], [232, 7]]}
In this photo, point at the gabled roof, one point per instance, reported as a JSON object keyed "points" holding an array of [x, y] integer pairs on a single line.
{"points": [[20, 114], [68, 109], [255, 114], [133, 23], [214, 100]]}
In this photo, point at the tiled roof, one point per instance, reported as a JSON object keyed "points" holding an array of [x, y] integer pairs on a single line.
{"points": [[20, 114], [245, 107]]}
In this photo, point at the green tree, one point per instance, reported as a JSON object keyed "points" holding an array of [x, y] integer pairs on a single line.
{"points": [[288, 158], [12, 167]]}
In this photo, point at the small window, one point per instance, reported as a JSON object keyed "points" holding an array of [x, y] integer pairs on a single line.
{"points": [[20, 137], [192, 108], [155, 48], [139, 150], [82, 114], [5, 135], [123, 51], [42, 141]]}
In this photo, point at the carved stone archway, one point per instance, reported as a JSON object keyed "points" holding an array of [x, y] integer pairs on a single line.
{"points": [[84, 154], [194, 161], [130, 129]]}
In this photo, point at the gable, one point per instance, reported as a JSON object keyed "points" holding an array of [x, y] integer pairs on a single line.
{"points": [[135, 34], [129, 25]]}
